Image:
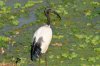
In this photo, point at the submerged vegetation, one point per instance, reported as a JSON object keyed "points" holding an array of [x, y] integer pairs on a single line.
{"points": [[76, 38]]}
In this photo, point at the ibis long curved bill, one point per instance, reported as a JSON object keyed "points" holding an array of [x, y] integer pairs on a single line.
{"points": [[56, 14]]}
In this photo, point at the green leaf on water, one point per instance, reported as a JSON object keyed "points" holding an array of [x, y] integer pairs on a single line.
{"points": [[97, 49], [58, 57], [51, 56], [42, 61], [65, 55], [74, 55], [95, 40], [29, 4], [2, 3], [17, 5], [58, 36], [88, 24], [82, 45], [15, 22], [82, 59], [87, 12], [5, 39], [22, 10], [79, 36], [92, 59], [94, 3], [97, 57], [12, 17]]}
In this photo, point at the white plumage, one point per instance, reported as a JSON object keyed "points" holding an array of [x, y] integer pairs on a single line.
{"points": [[46, 33]]}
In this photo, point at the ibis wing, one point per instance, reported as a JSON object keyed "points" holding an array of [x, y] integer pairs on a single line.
{"points": [[32, 47], [36, 49]]}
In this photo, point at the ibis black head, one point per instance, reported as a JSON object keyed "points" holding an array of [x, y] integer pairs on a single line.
{"points": [[47, 12]]}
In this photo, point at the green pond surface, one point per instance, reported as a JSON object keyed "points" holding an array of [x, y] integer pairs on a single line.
{"points": [[76, 37]]}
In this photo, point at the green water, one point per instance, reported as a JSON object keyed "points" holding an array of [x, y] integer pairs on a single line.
{"points": [[76, 38]]}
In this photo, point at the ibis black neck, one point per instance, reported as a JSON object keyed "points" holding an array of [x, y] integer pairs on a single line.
{"points": [[47, 14], [48, 20]]}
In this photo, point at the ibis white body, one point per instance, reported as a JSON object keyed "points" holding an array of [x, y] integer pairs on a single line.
{"points": [[46, 33], [42, 37]]}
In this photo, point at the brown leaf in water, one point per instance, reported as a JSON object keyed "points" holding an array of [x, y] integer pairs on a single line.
{"points": [[2, 50], [7, 64]]}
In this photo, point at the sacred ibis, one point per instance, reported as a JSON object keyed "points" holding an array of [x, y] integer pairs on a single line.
{"points": [[42, 37]]}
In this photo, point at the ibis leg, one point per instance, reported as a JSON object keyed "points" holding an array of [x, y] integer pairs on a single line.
{"points": [[39, 61], [45, 59]]}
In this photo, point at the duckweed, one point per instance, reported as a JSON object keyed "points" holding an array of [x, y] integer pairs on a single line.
{"points": [[75, 37]]}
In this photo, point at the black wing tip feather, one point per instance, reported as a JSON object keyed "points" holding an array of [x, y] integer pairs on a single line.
{"points": [[35, 51]]}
